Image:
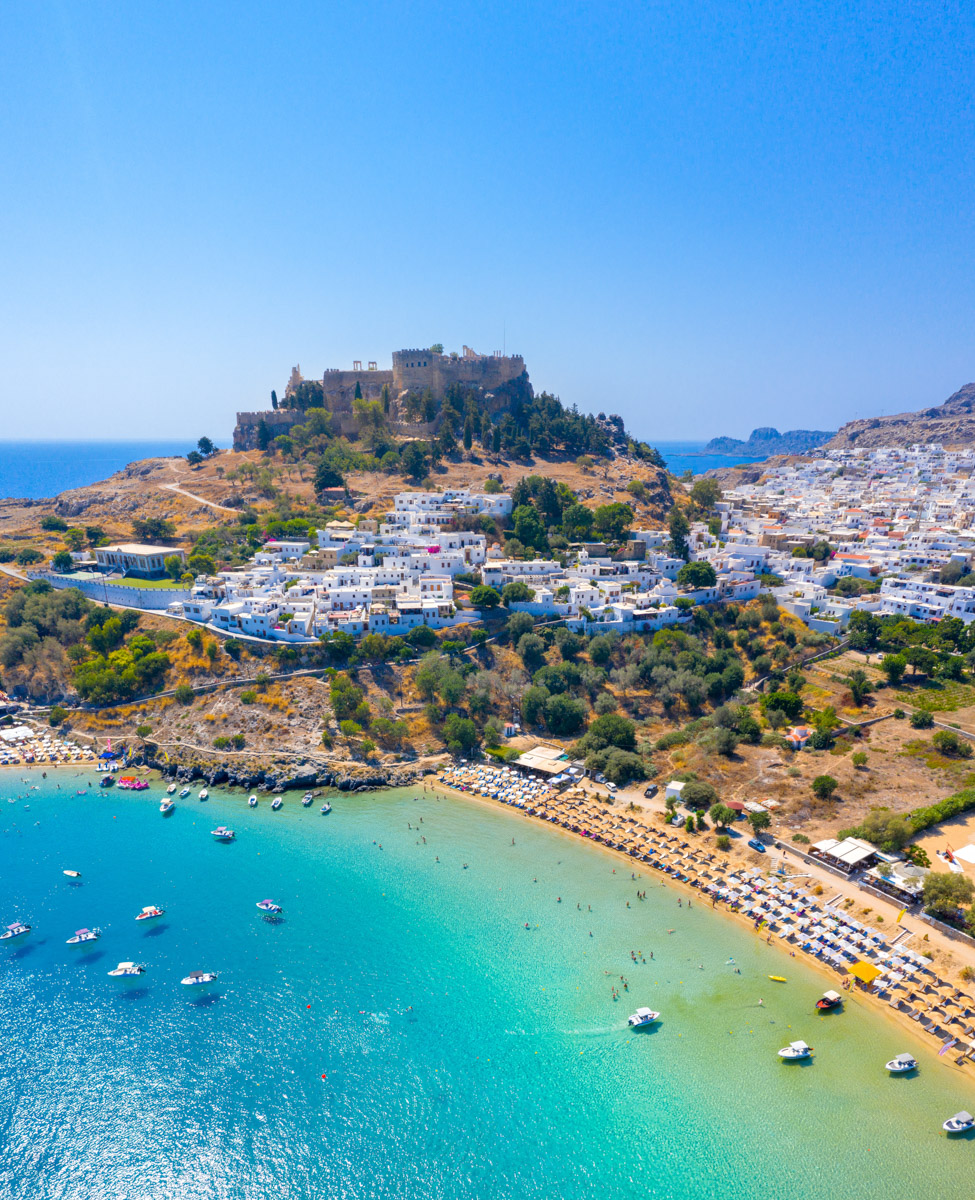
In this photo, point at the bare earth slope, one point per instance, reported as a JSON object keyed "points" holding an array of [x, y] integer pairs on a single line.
{"points": [[951, 424]]}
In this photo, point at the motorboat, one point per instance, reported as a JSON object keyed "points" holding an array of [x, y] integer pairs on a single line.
{"points": [[16, 930], [223, 834], [184, 793], [829, 1000], [80, 936], [306, 799], [150, 911], [107, 781], [72, 874], [326, 808], [276, 803], [171, 789], [901, 1064], [642, 1017], [795, 1050], [166, 807], [961, 1122], [127, 969], [204, 794], [268, 906], [252, 802], [198, 978]]}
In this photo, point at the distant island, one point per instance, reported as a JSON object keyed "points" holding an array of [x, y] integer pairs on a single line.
{"points": [[766, 440]]}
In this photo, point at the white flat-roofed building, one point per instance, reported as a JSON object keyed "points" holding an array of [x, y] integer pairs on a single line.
{"points": [[136, 559]]}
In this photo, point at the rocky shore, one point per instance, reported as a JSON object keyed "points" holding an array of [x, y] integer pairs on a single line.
{"points": [[255, 778]]}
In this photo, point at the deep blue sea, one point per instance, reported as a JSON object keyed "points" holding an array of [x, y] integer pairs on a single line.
{"points": [[35, 470], [688, 456], [401, 1033]]}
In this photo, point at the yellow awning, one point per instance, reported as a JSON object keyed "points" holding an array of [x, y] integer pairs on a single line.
{"points": [[864, 971]]}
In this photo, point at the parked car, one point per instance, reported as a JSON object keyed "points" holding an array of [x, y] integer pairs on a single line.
{"points": [[599, 778], [651, 791], [756, 844], [611, 786]]}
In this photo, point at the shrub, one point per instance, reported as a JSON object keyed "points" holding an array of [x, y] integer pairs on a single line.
{"points": [[619, 766], [183, 693], [484, 597], [951, 744], [859, 759], [221, 742], [921, 719], [58, 715], [801, 839], [945, 893], [723, 842], [824, 786], [698, 794], [676, 737], [248, 697], [609, 730]]}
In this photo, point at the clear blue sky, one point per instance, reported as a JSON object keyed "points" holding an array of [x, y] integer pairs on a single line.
{"points": [[704, 216]]}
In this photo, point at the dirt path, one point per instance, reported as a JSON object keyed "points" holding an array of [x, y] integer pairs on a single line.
{"points": [[174, 487]]}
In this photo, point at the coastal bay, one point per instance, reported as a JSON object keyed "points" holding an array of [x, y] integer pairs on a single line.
{"points": [[441, 1024]]}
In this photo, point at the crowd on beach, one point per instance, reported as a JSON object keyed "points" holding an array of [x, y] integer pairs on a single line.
{"points": [[23, 746], [777, 909]]}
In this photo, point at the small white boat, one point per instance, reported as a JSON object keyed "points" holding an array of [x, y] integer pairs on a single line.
{"points": [[198, 978], [171, 789], [150, 911], [83, 935], [900, 1064], [306, 799], [16, 930], [204, 794], [276, 803], [223, 834], [642, 1017], [127, 969], [72, 874], [829, 1000], [268, 906], [252, 802], [166, 807], [184, 793], [795, 1050], [326, 808], [961, 1122]]}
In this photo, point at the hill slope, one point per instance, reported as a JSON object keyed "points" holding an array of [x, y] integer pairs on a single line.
{"points": [[951, 424]]}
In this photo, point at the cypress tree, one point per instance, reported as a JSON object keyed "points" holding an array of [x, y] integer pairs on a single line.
{"points": [[274, 399]]}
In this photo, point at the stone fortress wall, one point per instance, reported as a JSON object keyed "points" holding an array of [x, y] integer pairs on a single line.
{"points": [[413, 371]]}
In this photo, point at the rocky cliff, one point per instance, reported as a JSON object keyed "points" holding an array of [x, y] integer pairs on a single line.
{"points": [[951, 424], [767, 440]]}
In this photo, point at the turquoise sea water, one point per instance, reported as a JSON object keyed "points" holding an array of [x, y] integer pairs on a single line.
{"points": [[464, 1055], [684, 456]]}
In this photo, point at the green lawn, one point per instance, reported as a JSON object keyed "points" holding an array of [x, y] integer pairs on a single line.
{"points": [[145, 583]]}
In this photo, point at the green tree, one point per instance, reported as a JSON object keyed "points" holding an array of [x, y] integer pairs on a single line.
{"points": [[705, 494], [468, 433], [484, 597], [414, 460], [824, 786], [174, 566], [921, 719], [183, 693], [944, 893], [893, 666], [697, 575], [460, 734], [721, 815], [274, 399], [859, 684], [62, 561], [577, 522], [194, 458], [263, 435], [759, 821], [563, 715], [206, 447], [528, 527], [326, 478], [57, 716], [679, 529], [611, 521], [609, 730], [919, 658], [531, 648], [517, 591]]}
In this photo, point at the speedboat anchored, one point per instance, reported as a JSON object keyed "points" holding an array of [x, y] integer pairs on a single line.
{"points": [[16, 930], [794, 1051], [901, 1064], [325, 809], [171, 789], [127, 969], [306, 799], [204, 794], [829, 1000], [642, 1018], [83, 935], [276, 803], [150, 911], [184, 793], [223, 834], [961, 1122], [166, 807], [252, 802], [198, 978], [268, 906]]}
